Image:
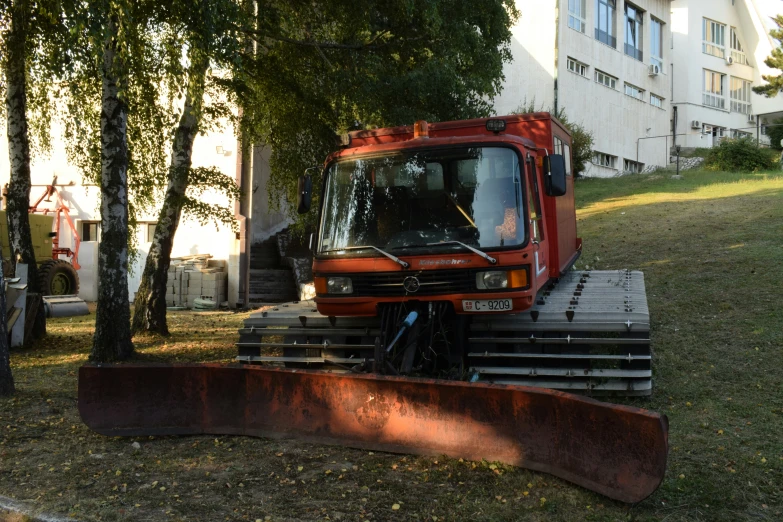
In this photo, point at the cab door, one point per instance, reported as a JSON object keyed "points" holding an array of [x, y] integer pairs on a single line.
{"points": [[538, 239]]}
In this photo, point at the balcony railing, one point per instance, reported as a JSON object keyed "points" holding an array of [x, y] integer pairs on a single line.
{"points": [[603, 36], [713, 100], [712, 49], [633, 52], [741, 106], [739, 57]]}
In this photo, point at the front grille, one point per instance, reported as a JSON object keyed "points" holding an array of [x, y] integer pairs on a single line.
{"points": [[431, 282]]}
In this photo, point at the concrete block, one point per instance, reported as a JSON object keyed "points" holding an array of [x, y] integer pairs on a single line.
{"points": [[213, 285], [217, 263]]}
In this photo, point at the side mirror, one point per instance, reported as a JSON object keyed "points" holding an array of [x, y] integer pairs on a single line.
{"points": [[555, 175], [305, 192]]}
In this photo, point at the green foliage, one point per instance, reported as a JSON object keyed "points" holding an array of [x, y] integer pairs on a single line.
{"points": [[740, 155], [322, 69], [581, 139], [154, 37], [202, 181], [44, 32], [775, 133], [775, 61]]}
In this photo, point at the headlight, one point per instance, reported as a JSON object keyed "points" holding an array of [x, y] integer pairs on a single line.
{"points": [[339, 285], [501, 279], [492, 280]]}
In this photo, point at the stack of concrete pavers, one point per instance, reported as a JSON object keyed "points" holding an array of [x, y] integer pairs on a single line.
{"points": [[197, 278]]}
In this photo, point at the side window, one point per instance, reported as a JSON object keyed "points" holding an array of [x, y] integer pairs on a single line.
{"points": [[91, 231], [567, 153], [558, 148], [534, 202]]}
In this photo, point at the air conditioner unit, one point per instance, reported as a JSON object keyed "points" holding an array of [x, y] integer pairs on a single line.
{"points": [[751, 118], [695, 124], [729, 60], [654, 70]]}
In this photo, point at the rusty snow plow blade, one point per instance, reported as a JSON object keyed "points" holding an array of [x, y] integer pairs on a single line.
{"points": [[617, 451]]}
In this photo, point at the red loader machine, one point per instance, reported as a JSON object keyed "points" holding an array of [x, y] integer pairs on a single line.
{"points": [[447, 320]]}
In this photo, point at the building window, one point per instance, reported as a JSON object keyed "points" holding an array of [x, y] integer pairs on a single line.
{"points": [[634, 92], [605, 79], [148, 229], [713, 90], [577, 13], [577, 67], [633, 167], [713, 35], [604, 22], [737, 52], [633, 31], [656, 43], [656, 101], [738, 134], [739, 91], [604, 160], [91, 231]]}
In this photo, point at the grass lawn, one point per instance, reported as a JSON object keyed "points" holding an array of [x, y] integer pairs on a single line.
{"points": [[711, 247]]}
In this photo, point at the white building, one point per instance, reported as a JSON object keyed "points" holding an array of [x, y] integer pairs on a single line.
{"points": [[608, 64], [720, 50], [216, 149]]}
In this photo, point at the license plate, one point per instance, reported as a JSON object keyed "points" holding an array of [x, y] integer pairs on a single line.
{"points": [[487, 305]]}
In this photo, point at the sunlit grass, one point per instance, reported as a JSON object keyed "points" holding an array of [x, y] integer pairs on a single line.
{"points": [[742, 186]]}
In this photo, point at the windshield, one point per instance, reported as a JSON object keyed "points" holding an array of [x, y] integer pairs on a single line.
{"points": [[471, 195]]}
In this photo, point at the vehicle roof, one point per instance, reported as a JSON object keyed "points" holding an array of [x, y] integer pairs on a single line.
{"points": [[521, 125]]}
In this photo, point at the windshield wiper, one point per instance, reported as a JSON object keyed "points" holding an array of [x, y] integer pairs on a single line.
{"points": [[486, 256], [393, 258]]}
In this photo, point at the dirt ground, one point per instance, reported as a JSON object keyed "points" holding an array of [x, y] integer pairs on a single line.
{"points": [[710, 249]]}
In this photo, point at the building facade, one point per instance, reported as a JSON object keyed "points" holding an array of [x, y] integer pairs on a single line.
{"points": [[218, 149], [720, 50], [607, 63]]}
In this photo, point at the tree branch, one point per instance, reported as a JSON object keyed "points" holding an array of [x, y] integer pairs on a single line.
{"points": [[326, 45]]}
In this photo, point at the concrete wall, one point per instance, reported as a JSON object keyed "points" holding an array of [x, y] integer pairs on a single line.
{"points": [[529, 77], [265, 221], [690, 63], [542, 42]]}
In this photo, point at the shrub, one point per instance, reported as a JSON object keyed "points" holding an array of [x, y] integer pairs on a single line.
{"points": [[581, 138], [775, 133], [741, 155]]}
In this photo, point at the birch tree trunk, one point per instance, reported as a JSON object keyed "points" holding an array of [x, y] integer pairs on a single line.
{"points": [[149, 310], [6, 378], [112, 339], [18, 201]]}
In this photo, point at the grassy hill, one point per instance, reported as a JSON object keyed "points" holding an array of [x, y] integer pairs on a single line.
{"points": [[711, 248]]}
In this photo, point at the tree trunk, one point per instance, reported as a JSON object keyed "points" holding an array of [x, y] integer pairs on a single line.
{"points": [[112, 339], [18, 201], [6, 379], [149, 310]]}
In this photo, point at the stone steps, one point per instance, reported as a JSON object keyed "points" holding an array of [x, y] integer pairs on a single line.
{"points": [[270, 281]]}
